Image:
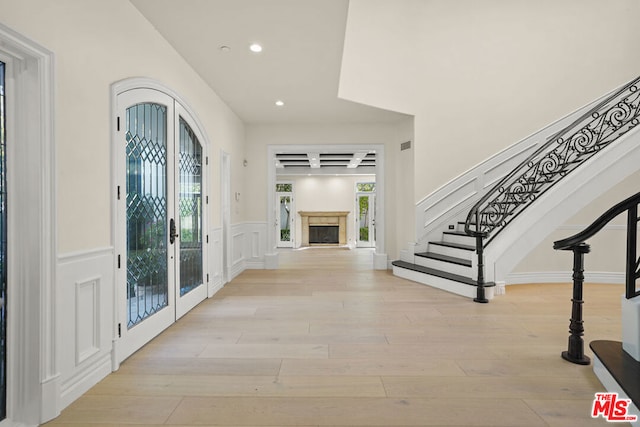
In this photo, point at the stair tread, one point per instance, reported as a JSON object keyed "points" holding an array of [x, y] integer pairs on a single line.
{"points": [[445, 258], [620, 365], [439, 273], [454, 245], [456, 233]]}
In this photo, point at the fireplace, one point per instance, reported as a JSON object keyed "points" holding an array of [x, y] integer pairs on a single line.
{"points": [[324, 228], [324, 234]]}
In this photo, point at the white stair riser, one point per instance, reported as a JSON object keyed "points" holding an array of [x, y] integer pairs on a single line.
{"points": [[454, 252], [449, 267], [440, 283], [463, 240], [460, 227]]}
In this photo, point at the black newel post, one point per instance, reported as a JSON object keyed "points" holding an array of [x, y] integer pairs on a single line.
{"points": [[480, 296], [575, 352]]}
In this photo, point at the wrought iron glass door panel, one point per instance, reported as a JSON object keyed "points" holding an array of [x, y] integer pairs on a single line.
{"points": [[145, 274], [147, 205], [190, 266], [190, 205]]}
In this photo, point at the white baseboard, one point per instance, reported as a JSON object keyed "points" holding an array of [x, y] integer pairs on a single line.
{"points": [[254, 265], [563, 277], [83, 380]]}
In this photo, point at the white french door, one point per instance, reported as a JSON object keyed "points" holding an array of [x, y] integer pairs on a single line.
{"points": [[284, 219], [366, 220], [160, 164]]}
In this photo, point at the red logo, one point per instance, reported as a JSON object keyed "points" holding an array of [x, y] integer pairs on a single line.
{"points": [[612, 408]]}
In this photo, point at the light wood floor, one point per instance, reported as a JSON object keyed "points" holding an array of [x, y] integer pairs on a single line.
{"points": [[326, 341]]}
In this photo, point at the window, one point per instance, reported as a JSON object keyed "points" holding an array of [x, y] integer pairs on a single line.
{"points": [[284, 188], [366, 186]]}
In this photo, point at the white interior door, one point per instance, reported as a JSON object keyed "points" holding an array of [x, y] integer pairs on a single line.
{"points": [[365, 220], [160, 273], [190, 205], [284, 220]]}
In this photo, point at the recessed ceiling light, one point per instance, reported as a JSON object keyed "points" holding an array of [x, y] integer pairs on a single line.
{"points": [[279, 103], [255, 47]]}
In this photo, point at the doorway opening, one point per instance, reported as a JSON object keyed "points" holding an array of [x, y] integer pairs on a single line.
{"points": [[326, 162]]}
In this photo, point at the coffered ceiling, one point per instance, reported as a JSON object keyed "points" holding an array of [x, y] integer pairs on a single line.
{"points": [[331, 162]]}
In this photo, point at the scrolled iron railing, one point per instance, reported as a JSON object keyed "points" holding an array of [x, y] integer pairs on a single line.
{"points": [[577, 244], [560, 155]]}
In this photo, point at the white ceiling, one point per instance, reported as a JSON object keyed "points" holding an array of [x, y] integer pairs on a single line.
{"points": [[300, 63]]}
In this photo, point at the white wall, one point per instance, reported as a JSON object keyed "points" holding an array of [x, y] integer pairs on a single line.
{"points": [[326, 193], [96, 43], [605, 262], [481, 75]]}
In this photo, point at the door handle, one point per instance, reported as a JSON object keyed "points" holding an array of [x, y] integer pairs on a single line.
{"points": [[172, 231]]}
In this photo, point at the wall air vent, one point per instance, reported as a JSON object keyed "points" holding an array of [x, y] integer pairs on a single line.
{"points": [[405, 145]]}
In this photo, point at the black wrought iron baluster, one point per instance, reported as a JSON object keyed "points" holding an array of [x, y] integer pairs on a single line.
{"points": [[480, 295], [575, 351], [632, 260]]}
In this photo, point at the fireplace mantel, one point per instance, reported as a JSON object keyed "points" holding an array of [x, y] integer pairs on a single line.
{"points": [[338, 218]]}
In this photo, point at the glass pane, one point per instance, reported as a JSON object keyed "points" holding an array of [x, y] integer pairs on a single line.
{"points": [[147, 284], [3, 254], [284, 188], [366, 186], [363, 218], [285, 208], [190, 236]]}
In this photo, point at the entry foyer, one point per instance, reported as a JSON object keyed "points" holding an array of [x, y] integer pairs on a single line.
{"points": [[326, 340]]}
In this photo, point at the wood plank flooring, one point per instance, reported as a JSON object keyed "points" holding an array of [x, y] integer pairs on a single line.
{"points": [[326, 341]]}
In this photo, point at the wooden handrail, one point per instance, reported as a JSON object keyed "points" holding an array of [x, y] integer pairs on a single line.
{"points": [[598, 224]]}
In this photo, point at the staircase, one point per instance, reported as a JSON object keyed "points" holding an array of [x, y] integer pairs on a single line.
{"points": [[449, 264], [456, 262]]}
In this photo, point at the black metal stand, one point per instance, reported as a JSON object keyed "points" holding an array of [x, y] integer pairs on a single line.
{"points": [[575, 352], [480, 296]]}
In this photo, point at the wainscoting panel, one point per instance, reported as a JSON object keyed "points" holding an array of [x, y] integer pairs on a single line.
{"points": [[249, 245], [85, 321], [215, 261], [255, 244], [238, 236]]}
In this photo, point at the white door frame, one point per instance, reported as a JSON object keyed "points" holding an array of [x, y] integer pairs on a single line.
{"points": [[380, 256], [33, 377]]}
